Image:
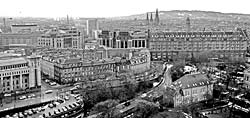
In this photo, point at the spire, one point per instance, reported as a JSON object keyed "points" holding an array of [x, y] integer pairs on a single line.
{"points": [[188, 24], [157, 20], [147, 17], [151, 17]]}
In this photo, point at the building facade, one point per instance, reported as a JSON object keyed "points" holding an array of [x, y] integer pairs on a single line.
{"points": [[28, 39], [172, 45], [92, 25], [62, 38], [123, 39], [20, 74], [21, 28], [246, 81], [192, 88]]}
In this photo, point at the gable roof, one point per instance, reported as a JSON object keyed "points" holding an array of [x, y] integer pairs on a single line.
{"points": [[192, 80]]}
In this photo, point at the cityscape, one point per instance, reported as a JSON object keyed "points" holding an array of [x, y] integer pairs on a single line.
{"points": [[156, 64]]}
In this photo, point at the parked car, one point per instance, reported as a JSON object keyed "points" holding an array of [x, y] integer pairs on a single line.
{"points": [[22, 97], [52, 83], [48, 91]]}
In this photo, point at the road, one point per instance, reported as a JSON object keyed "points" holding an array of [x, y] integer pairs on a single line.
{"points": [[154, 92]]}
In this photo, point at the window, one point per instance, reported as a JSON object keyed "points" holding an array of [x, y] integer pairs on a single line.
{"points": [[8, 83]]}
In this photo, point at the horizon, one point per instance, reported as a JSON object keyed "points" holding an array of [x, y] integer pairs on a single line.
{"points": [[113, 8]]}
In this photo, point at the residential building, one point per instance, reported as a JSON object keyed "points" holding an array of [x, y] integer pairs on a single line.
{"points": [[62, 38], [92, 25], [20, 74], [172, 45], [192, 88], [70, 66]]}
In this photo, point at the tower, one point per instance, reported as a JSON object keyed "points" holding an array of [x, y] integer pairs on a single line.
{"points": [[35, 70], [188, 24], [157, 20], [151, 18], [147, 19]]}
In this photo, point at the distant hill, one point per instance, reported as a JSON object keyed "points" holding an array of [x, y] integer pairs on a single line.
{"points": [[195, 14]]}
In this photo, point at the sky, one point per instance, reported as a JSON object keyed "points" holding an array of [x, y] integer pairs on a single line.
{"points": [[113, 8]]}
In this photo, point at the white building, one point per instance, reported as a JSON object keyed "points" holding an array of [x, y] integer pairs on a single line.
{"points": [[62, 38], [19, 74]]}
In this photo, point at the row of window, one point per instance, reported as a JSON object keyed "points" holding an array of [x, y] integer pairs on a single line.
{"points": [[13, 66], [198, 35], [14, 73]]}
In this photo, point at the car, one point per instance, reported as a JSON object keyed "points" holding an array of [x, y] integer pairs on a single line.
{"points": [[52, 83], [22, 97], [48, 91], [51, 105], [66, 97], [30, 112], [31, 96], [47, 81]]}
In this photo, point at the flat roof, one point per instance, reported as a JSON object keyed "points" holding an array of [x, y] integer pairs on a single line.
{"points": [[12, 61]]}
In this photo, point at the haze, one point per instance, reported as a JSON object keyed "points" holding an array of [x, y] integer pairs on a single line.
{"points": [[113, 8]]}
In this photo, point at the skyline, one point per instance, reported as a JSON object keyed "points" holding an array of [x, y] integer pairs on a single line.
{"points": [[113, 8]]}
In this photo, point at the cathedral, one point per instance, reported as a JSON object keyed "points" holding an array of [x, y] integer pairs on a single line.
{"points": [[152, 21]]}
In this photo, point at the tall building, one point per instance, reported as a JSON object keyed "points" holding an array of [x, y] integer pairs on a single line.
{"points": [[217, 44], [62, 38], [92, 25], [20, 74]]}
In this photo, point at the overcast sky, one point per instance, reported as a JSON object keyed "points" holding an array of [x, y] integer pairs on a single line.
{"points": [[112, 8]]}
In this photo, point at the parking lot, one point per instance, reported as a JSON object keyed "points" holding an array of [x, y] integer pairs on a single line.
{"points": [[60, 105]]}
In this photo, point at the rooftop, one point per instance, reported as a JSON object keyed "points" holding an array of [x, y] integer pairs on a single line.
{"points": [[192, 80], [12, 61]]}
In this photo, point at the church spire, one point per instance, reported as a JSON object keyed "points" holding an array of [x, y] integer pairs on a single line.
{"points": [[188, 25], [147, 19], [157, 20], [151, 17]]}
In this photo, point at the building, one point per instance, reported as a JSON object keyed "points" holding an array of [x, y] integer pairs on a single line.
{"points": [[246, 80], [192, 88], [70, 66], [22, 39], [20, 74], [92, 25], [123, 39], [62, 38], [22, 28], [173, 45]]}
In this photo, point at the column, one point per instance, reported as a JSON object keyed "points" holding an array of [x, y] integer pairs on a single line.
{"points": [[124, 46], [11, 82], [1, 84], [21, 81]]}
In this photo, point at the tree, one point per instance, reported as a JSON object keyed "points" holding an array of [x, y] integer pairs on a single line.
{"points": [[104, 106], [145, 110]]}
